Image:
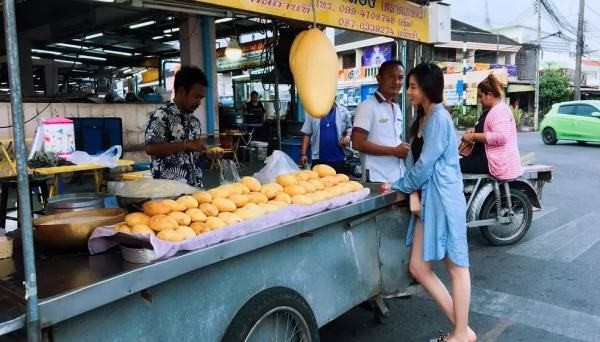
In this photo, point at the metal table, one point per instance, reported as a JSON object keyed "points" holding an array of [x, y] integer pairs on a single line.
{"points": [[73, 286]]}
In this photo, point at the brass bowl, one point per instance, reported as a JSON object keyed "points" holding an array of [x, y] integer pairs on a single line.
{"points": [[73, 229]]}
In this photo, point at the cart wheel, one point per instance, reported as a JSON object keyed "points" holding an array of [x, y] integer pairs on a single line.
{"points": [[581, 142], [507, 233], [276, 314]]}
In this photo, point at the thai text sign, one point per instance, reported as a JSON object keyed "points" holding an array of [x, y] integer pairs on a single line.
{"points": [[392, 18]]}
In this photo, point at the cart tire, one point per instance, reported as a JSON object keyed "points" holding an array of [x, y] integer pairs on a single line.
{"points": [[549, 136], [507, 233], [271, 306]]}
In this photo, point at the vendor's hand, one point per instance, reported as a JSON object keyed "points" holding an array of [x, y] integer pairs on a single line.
{"points": [[401, 151], [303, 160], [415, 203], [345, 141], [196, 145]]}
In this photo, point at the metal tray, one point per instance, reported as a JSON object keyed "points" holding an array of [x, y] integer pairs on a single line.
{"points": [[73, 229]]}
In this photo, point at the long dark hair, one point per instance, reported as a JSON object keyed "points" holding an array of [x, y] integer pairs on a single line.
{"points": [[430, 79]]}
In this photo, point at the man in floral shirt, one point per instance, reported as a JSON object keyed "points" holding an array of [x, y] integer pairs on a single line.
{"points": [[173, 133]]}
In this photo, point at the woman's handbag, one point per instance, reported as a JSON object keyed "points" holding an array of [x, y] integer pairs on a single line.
{"points": [[465, 148]]}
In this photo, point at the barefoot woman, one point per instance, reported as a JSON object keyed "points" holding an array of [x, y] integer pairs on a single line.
{"points": [[438, 229]]}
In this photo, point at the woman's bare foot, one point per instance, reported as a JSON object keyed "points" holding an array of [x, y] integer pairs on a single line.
{"points": [[471, 337]]}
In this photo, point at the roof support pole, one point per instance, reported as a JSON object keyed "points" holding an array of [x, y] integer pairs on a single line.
{"points": [[14, 77]]}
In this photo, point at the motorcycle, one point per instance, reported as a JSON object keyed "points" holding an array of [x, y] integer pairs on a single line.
{"points": [[503, 210]]}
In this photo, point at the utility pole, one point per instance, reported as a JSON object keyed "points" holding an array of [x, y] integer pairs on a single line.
{"points": [[536, 101], [497, 47], [464, 75], [579, 51]]}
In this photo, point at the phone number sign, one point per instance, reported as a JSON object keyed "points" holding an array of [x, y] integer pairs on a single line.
{"points": [[392, 18]]}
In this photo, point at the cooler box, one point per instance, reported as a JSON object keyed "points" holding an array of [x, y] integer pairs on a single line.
{"points": [[59, 136], [293, 147], [96, 135]]}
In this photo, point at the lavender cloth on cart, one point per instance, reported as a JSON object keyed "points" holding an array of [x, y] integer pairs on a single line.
{"points": [[102, 237]]}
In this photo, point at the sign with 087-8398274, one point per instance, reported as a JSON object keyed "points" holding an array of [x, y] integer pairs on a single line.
{"points": [[391, 18]]}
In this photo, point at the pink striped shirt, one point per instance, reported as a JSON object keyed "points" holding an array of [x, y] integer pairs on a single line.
{"points": [[501, 143]]}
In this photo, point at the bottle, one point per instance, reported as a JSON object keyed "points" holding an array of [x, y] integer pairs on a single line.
{"points": [[385, 187]]}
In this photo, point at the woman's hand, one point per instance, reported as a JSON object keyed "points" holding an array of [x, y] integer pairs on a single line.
{"points": [[415, 203], [468, 135]]}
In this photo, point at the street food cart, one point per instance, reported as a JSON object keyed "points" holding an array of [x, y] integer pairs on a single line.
{"points": [[303, 273], [299, 275]]}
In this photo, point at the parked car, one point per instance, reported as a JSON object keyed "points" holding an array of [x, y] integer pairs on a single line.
{"points": [[573, 120]]}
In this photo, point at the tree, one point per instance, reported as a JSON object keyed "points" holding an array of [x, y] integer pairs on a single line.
{"points": [[554, 87]]}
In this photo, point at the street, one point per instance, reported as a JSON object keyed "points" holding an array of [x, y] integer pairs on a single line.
{"points": [[545, 288]]}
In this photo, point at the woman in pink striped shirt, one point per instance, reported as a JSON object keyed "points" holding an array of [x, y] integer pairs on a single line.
{"points": [[495, 136]]}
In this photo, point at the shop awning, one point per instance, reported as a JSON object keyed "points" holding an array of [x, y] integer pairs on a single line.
{"points": [[519, 88]]}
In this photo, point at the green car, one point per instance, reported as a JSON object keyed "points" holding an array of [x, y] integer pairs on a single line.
{"points": [[573, 120]]}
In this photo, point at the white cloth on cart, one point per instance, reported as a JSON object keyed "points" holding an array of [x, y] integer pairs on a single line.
{"points": [[102, 237]]}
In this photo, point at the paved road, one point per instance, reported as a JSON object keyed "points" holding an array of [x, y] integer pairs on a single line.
{"points": [[546, 288]]}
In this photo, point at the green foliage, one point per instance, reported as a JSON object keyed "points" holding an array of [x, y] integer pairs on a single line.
{"points": [[518, 115], [468, 119], [554, 87]]}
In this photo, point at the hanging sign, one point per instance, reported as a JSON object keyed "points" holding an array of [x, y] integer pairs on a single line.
{"points": [[391, 18]]}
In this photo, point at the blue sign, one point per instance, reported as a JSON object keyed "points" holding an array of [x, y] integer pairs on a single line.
{"points": [[367, 90], [459, 87]]}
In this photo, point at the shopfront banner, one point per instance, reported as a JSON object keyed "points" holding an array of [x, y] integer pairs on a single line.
{"points": [[391, 18], [457, 67], [452, 95], [374, 56], [251, 57], [361, 74]]}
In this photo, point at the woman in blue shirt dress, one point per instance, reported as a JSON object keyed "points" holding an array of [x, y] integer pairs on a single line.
{"points": [[437, 228]]}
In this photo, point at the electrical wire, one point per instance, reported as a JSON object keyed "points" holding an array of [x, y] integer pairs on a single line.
{"points": [[75, 60], [524, 15]]}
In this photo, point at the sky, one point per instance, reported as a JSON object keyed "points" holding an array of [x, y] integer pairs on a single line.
{"points": [[502, 13]]}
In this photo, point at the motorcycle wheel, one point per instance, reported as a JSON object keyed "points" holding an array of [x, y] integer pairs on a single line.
{"points": [[504, 234]]}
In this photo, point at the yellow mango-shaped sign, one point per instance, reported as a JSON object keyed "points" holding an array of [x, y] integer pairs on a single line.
{"points": [[314, 65]]}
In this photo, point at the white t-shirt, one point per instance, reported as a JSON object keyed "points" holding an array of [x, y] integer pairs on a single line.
{"points": [[382, 121]]}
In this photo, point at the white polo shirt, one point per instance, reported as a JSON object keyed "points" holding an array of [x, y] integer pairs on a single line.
{"points": [[382, 121]]}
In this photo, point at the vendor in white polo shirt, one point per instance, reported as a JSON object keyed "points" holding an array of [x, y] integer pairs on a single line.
{"points": [[377, 131]]}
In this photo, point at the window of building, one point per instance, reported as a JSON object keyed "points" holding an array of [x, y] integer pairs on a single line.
{"points": [[349, 60], [485, 57], [444, 55]]}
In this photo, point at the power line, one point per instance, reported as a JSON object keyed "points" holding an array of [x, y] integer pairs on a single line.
{"points": [[556, 17], [523, 16], [591, 9]]}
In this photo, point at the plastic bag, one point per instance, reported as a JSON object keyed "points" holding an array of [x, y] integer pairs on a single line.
{"points": [[153, 188], [229, 173], [277, 164], [107, 158], [38, 140]]}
